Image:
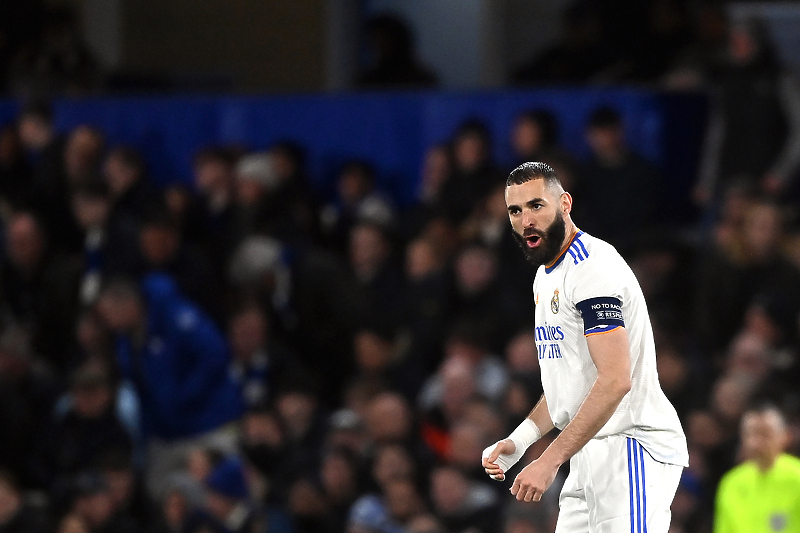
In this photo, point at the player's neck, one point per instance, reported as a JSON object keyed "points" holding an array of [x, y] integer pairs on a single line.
{"points": [[570, 230]]}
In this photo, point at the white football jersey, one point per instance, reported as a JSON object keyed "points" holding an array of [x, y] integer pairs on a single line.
{"points": [[590, 290]]}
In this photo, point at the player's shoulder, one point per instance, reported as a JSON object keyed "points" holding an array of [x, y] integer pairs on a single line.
{"points": [[587, 252]]}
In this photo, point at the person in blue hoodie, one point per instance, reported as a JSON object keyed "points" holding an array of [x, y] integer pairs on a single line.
{"points": [[177, 360]]}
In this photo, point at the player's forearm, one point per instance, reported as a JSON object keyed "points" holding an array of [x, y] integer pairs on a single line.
{"points": [[603, 399], [540, 415]]}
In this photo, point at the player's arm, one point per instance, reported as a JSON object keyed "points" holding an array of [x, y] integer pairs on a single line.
{"points": [[502, 455], [610, 353]]}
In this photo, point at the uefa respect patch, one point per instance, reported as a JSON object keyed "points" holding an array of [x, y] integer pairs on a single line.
{"points": [[601, 314]]}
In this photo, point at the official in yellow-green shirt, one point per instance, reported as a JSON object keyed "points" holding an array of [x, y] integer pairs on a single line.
{"points": [[762, 495]]}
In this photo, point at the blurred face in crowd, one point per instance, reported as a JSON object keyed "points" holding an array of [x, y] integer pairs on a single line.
{"points": [[10, 501], [402, 499], [248, 333], [175, 508], [470, 152], [82, 153], [338, 475], [285, 164], [34, 131], [526, 138], [467, 440], [448, 490], [296, 410], [25, 242], [742, 44], [119, 174], [458, 384], [92, 401], [436, 169], [388, 418], [159, 243], [764, 436], [213, 175], [95, 508], [762, 230], [392, 462], [368, 250], [353, 185], [476, 268], [521, 353], [421, 259], [373, 353], [220, 506], [537, 213], [607, 142], [90, 210], [120, 312]]}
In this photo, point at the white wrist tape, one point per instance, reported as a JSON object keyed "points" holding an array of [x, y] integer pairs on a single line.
{"points": [[523, 436]]}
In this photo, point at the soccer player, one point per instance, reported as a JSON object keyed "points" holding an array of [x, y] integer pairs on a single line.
{"points": [[598, 364], [762, 494]]}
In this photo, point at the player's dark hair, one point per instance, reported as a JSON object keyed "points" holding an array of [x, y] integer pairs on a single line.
{"points": [[533, 170]]}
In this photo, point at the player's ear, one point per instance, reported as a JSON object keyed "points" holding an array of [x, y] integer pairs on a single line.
{"points": [[566, 203]]}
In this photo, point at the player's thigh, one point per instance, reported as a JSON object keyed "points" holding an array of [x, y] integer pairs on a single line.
{"points": [[627, 490], [573, 512]]}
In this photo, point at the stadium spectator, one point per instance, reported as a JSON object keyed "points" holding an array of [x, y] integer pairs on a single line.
{"points": [[357, 201], [177, 359], [393, 62], [473, 172], [612, 174], [88, 428], [754, 127], [28, 391], [39, 288]]}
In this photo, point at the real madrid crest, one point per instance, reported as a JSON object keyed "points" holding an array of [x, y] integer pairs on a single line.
{"points": [[554, 302]]}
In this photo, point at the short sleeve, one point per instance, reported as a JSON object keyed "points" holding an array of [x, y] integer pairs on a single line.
{"points": [[596, 288]]}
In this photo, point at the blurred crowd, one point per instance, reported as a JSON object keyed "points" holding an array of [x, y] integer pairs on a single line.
{"points": [[246, 353]]}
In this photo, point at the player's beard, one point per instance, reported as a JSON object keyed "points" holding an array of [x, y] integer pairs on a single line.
{"points": [[552, 238]]}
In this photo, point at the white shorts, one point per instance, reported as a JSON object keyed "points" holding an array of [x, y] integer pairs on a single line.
{"points": [[614, 485]]}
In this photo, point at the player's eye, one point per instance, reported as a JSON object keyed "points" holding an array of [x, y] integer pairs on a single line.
{"points": [[513, 211]]}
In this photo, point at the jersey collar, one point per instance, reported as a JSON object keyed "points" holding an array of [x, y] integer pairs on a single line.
{"points": [[557, 261]]}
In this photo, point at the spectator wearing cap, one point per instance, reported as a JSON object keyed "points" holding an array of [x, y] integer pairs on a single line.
{"points": [[177, 359], [229, 507]]}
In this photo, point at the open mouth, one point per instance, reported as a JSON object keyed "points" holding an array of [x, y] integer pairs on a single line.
{"points": [[533, 241]]}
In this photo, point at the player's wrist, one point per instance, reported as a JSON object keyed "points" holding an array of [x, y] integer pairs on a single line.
{"points": [[524, 435]]}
